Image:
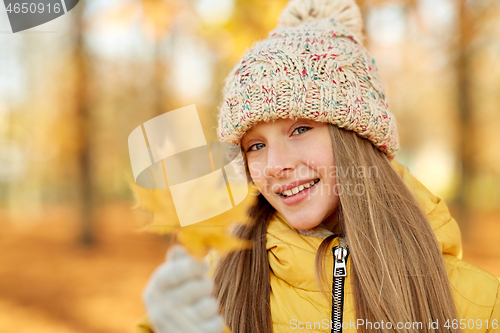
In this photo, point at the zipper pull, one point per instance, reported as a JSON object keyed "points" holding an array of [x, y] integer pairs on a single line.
{"points": [[340, 254]]}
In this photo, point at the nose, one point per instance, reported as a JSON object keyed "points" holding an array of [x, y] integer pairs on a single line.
{"points": [[280, 161]]}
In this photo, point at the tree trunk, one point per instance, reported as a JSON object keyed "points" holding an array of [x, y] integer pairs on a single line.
{"points": [[83, 127], [466, 129]]}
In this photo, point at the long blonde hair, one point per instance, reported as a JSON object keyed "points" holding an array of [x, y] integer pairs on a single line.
{"points": [[397, 271]]}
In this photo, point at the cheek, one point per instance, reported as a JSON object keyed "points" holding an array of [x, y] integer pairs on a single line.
{"points": [[323, 162], [324, 165], [257, 173], [321, 155], [260, 181]]}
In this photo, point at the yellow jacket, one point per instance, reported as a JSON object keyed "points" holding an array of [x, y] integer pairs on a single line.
{"points": [[298, 305]]}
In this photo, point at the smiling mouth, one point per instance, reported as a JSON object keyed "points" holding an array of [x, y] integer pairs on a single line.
{"points": [[298, 189]]}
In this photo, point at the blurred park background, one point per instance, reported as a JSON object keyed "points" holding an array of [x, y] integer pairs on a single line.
{"points": [[72, 90]]}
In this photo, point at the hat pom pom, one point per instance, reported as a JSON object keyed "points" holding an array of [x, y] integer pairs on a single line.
{"points": [[346, 12]]}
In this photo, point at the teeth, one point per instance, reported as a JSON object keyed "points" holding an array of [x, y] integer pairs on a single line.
{"points": [[297, 189]]}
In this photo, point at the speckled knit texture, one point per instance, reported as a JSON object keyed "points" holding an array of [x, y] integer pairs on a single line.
{"points": [[313, 68]]}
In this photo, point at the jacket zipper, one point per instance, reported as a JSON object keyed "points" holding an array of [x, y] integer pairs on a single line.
{"points": [[340, 254]]}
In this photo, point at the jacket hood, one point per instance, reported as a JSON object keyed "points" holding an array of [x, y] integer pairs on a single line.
{"points": [[443, 224]]}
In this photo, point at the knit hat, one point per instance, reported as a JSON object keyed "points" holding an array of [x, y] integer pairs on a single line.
{"points": [[313, 66]]}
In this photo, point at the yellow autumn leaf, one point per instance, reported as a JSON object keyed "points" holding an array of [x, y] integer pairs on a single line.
{"points": [[160, 206], [198, 241], [200, 237]]}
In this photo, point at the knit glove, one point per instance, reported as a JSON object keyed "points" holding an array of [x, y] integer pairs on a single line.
{"points": [[178, 296]]}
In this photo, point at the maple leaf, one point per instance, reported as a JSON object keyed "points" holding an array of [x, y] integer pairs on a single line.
{"points": [[197, 238], [159, 204], [198, 241]]}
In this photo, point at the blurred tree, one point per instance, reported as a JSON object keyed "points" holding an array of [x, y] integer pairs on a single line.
{"points": [[84, 127], [158, 16], [470, 14], [157, 20], [465, 144]]}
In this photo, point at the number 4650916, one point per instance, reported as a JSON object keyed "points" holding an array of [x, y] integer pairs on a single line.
{"points": [[471, 324], [32, 8]]}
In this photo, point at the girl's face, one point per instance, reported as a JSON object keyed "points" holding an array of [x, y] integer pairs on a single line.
{"points": [[291, 162]]}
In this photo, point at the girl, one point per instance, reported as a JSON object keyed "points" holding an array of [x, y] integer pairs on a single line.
{"points": [[345, 239]]}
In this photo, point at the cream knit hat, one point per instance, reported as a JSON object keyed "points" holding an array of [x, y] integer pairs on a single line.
{"points": [[312, 66]]}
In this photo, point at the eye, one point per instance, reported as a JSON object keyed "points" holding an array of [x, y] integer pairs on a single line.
{"points": [[255, 145], [301, 127]]}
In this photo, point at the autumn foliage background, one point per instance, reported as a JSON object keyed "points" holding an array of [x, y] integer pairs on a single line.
{"points": [[72, 90]]}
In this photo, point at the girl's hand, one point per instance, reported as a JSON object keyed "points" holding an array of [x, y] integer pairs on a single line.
{"points": [[178, 296]]}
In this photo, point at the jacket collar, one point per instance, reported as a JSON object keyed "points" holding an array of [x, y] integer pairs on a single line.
{"points": [[292, 255]]}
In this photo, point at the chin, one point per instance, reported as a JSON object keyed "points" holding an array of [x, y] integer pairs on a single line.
{"points": [[304, 223]]}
